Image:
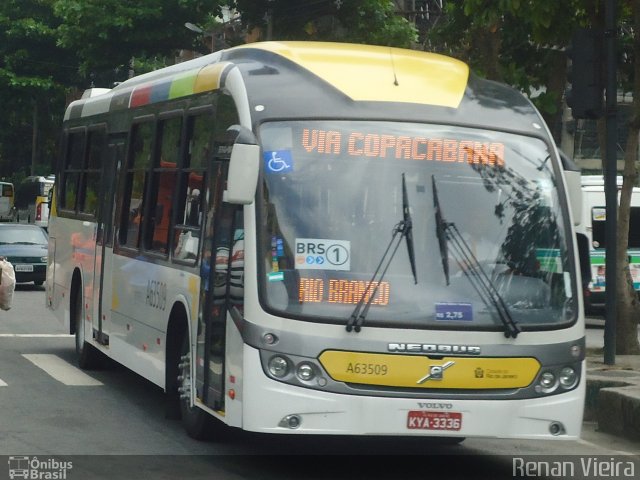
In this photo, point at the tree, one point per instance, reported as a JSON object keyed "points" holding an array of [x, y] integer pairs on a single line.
{"points": [[627, 303], [516, 42], [33, 75], [357, 21], [107, 34]]}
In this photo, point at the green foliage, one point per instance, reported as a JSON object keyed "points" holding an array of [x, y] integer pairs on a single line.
{"points": [[107, 34], [519, 42], [358, 21], [34, 73]]}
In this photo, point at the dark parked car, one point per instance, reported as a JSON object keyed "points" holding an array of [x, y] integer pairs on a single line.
{"points": [[26, 247]]}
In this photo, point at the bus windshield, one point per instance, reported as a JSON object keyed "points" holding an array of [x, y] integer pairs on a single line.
{"points": [[489, 232]]}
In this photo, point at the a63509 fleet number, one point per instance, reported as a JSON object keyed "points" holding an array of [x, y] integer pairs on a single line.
{"points": [[367, 368], [156, 294]]}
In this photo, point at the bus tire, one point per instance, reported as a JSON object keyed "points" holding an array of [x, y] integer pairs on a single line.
{"points": [[87, 356], [198, 424]]}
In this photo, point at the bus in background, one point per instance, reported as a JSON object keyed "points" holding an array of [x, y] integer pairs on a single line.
{"points": [[7, 202], [595, 215], [391, 251], [32, 200]]}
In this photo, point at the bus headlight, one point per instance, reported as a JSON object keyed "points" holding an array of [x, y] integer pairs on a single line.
{"points": [[278, 366], [568, 377], [305, 372], [547, 382]]}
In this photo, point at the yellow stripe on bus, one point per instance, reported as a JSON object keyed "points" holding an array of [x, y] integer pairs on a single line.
{"points": [[392, 74], [412, 371], [208, 78]]}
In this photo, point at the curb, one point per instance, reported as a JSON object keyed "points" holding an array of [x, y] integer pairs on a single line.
{"points": [[613, 396]]}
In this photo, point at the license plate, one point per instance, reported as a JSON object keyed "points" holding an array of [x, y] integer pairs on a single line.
{"points": [[424, 420], [23, 268]]}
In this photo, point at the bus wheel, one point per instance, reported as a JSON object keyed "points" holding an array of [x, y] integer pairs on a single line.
{"points": [[197, 422], [87, 356]]}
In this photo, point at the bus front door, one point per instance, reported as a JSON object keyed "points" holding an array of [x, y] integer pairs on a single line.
{"points": [[215, 289]]}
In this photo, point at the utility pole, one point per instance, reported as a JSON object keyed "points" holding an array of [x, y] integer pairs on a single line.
{"points": [[610, 185]]}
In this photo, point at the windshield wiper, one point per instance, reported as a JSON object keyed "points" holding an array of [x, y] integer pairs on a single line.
{"points": [[471, 267], [441, 231], [408, 226], [404, 229]]}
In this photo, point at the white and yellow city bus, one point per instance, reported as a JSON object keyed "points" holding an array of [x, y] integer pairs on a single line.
{"points": [[322, 238]]}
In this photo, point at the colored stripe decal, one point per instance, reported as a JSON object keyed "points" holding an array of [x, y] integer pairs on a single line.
{"points": [[209, 77], [141, 96], [160, 91], [188, 83], [182, 85]]}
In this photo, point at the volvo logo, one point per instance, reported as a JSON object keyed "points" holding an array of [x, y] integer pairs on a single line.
{"points": [[433, 348], [435, 372]]}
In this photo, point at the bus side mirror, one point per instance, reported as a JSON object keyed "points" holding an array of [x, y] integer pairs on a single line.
{"points": [[244, 164]]}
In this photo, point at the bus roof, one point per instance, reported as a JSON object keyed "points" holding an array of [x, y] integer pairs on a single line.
{"points": [[330, 79]]}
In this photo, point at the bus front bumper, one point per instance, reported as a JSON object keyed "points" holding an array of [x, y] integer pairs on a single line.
{"points": [[269, 406]]}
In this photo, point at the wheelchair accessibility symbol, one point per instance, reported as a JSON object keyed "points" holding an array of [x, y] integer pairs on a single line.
{"points": [[278, 161]]}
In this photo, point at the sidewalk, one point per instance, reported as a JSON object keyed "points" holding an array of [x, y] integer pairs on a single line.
{"points": [[613, 391]]}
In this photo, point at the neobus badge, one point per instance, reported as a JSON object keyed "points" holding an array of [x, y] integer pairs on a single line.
{"points": [[432, 348]]}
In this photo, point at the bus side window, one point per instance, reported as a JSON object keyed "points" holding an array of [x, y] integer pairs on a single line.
{"points": [[73, 164], [90, 187], [192, 177], [163, 185], [136, 179]]}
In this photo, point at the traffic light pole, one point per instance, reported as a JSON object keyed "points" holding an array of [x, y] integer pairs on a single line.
{"points": [[610, 186]]}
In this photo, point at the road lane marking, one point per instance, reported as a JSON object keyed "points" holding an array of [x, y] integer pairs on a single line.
{"points": [[61, 370], [2, 384]]}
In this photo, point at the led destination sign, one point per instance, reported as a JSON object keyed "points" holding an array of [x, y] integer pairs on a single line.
{"points": [[402, 147], [316, 290]]}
